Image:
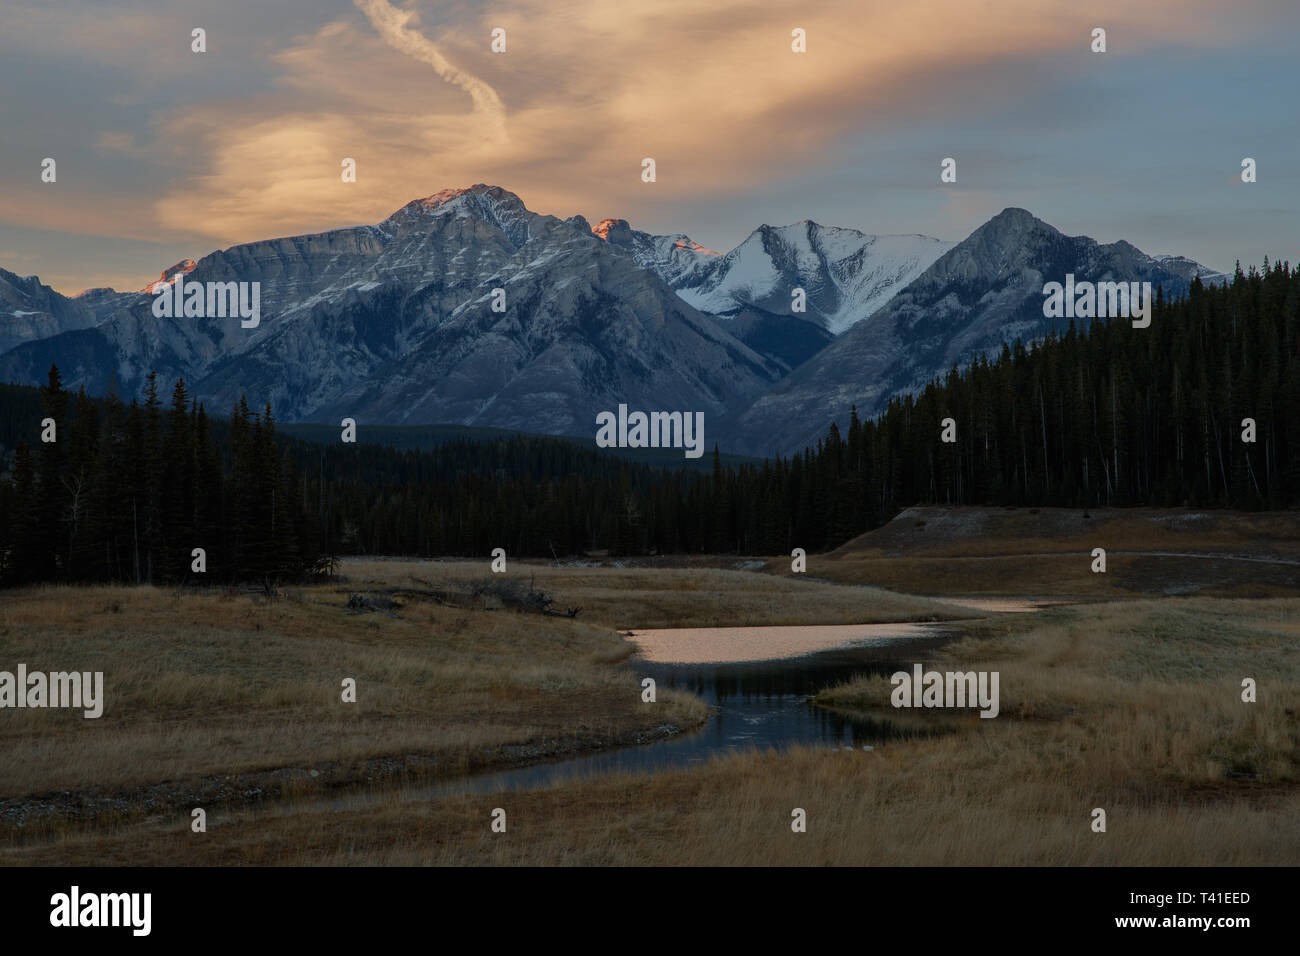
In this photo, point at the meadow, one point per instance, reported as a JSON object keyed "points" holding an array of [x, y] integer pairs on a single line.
{"points": [[1118, 699]]}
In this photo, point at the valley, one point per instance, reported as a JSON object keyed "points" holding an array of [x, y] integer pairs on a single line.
{"points": [[467, 308], [1112, 696]]}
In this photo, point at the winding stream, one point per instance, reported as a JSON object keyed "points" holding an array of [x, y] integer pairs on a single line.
{"points": [[755, 704]]}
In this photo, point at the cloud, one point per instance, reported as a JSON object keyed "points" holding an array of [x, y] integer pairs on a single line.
{"points": [[734, 119], [392, 25], [713, 93]]}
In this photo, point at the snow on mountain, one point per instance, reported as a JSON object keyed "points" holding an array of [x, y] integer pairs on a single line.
{"points": [[1190, 268], [678, 260], [846, 275], [394, 323], [30, 311], [982, 293], [169, 275]]}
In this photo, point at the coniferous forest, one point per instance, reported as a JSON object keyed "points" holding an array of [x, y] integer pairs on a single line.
{"points": [[1112, 416]]}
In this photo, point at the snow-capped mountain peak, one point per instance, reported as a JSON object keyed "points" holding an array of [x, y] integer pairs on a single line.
{"points": [[982, 293], [170, 275], [398, 322], [846, 275], [677, 259], [491, 204]]}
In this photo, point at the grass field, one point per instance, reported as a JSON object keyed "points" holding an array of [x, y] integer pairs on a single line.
{"points": [[1048, 552], [646, 597], [219, 697], [1132, 707], [1129, 701]]}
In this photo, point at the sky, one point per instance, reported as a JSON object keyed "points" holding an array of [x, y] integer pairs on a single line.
{"points": [[163, 153]]}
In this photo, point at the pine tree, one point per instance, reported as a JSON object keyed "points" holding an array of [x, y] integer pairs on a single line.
{"points": [[177, 487], [51, 494], [27, 544], [83, 449]]}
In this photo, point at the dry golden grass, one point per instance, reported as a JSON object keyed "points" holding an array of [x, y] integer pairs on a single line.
{"points": [[213, 692], [1048, 552], [1132, 707], [641, 597], [208, 682], [1144, 694], [983, 531], [931, 803]]}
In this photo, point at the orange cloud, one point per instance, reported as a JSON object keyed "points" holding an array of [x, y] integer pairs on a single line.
{"points": [[588, 88]]}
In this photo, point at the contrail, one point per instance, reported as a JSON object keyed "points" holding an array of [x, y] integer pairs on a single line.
{"points": [[391, 24]]}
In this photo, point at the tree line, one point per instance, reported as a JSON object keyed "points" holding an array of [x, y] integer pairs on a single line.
{"points": [[1105, 416], [127, 493]]}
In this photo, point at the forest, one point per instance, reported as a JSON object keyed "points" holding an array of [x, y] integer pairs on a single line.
{"points": [[1199, 410]]}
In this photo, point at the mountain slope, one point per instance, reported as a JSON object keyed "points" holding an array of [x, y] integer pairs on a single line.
{"points": [[394, 323], [983, 292], [679, 260], [845, 274], [30, 311]]}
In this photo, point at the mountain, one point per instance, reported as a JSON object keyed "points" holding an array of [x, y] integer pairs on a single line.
{"points": [[985, 291], [846, 275], [679, 260], [394, 323], [30, 311], [103, 302]]}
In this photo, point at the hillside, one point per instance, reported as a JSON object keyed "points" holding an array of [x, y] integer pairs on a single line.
{"points": [[1048, 552]]}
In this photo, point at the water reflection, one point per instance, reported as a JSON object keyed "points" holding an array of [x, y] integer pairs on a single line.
{"points": [[761, 704], [776, 642]]}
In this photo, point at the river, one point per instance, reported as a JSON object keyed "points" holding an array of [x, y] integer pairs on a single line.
{"points": [[761, 703], [755, 703]]}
